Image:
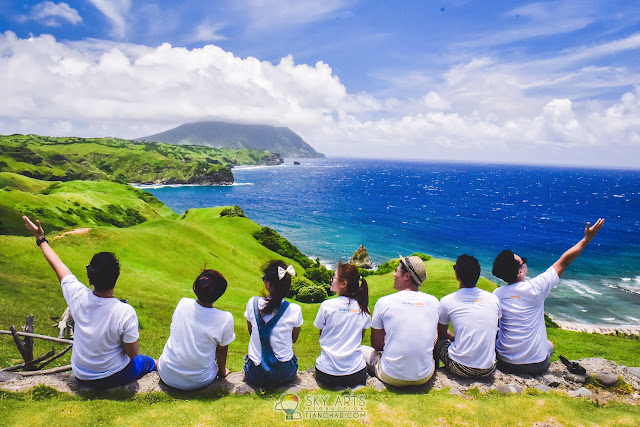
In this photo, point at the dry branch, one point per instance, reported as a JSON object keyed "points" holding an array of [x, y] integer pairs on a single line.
{"points": [[42, 337], [46, 371]]}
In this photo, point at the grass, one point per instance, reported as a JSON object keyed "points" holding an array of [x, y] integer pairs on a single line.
{"points": [[44, 407]]}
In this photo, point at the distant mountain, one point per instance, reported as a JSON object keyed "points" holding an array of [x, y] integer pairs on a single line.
{"points": [[280, 140]]}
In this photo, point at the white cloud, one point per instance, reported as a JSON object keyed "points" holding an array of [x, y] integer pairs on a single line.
{"points": [[208, 32], [116, 11], [52, 14], [481, 110]]}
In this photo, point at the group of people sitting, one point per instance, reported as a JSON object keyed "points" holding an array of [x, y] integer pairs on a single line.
{"points": [[410, 333]]}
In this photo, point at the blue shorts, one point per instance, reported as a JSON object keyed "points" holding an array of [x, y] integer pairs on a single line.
{"points": [[138, 367], [281, 373]]}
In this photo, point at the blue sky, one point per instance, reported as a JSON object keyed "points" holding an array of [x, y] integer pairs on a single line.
{"points": [[506, 81]]}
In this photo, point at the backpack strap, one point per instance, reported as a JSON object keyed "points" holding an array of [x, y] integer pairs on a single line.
{"points": [[264, 331]]}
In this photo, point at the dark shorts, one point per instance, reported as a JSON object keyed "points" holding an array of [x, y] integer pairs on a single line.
{"points": [[138, 367], [281, 373], [441, 352], [352, 380], [528, 368]]}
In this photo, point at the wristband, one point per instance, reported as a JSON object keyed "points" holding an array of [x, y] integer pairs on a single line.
{"points": [[40, 240]]}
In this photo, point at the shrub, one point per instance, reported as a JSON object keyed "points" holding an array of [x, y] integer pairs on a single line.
{"points": [[423, 257], [319, 274], [312, 294], [270, 239], [297, 284], [233, 211]]}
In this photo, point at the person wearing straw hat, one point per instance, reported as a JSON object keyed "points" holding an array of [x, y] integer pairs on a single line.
{"points": [[403, 329]]}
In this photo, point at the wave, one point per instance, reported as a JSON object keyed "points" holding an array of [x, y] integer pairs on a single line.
{"points": [[156, 186], [582, 289]]}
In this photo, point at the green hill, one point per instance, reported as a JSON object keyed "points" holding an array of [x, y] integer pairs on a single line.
{"points": [[281, 140], [67, 205], [112, 159]]}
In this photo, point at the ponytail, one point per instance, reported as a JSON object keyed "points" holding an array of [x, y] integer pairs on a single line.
{"points": [[279, 287], [358, 292]]}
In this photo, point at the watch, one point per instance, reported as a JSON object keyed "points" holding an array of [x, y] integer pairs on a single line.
{"points": [[40, 240]]}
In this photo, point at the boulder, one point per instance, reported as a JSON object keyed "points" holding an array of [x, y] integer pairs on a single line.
{"points": [[634, 371], [509, 389], [455, 391], [551, 380], [542, 388], [575, 378], [606, 379], [581, 392], [361, 258]]}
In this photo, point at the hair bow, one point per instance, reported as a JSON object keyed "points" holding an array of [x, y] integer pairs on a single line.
{"points": [[282, 271]]}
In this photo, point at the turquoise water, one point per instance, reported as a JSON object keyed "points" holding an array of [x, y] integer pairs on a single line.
{"points": [[329, 207]]}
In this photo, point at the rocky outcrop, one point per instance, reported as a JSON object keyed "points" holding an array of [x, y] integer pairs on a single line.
{"points": [[552, 381], [361, 258], [221, 177]]}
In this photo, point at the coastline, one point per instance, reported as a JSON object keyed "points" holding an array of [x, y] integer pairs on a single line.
{"points": [[598, 329]]}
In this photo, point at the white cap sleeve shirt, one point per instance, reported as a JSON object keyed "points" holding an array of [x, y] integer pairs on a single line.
{"points": [[188, 360], [474, 314], [522, 337], [410, 321], [342, 323], [281, 339], [102, 325]]}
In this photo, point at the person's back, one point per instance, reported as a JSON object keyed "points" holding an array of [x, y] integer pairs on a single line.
{"points": [[101, 326], [409, 319]]}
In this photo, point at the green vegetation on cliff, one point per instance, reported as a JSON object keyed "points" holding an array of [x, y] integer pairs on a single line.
{"points": [[112, 159], [72, 204]]}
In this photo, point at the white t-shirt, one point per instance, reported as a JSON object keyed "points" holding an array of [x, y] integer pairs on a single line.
{"points": [[522, 337], [188, 360], [410, 321], [281, 339], [342, 323], [474, 314], [102, 325]]}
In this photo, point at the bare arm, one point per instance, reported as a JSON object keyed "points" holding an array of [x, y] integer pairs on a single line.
{"points": [[377, 338], [443, 332], [221, 360], [131, 348], [52, 258], [569, 256], [249, 327], [295, 333]]}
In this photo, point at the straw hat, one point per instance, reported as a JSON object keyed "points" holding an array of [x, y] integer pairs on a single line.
{"points": [[416, 267]]}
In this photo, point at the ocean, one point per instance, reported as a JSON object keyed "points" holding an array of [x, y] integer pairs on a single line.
{"points": [[328, 207]]}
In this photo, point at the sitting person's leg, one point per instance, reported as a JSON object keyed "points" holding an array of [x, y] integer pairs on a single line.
{"points": [[527, 368], [280, 373], [441, 352], [138, 367]]}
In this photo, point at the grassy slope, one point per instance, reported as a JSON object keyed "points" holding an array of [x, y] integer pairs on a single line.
{"points": [[161, 258], [117, 159], [67, 205]]}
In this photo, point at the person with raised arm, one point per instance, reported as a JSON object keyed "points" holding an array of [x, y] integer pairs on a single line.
{"points": [[105, 346], [522, 345]]}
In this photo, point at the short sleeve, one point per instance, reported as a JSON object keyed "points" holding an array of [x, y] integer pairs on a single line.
{"points": [[228, 335], [377, 322], [299, 320], [367, 322], [130, 326], [248, 312], [443, 317], [320, 321], [71, 288], [542, 284]]}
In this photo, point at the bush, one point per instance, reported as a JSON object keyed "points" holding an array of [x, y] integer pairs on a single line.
{"points": [[423, 257], [297, 284], [270, 239], [312, 294], [319, 274], [233, 211]]}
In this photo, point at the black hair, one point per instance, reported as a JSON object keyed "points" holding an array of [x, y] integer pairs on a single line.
{"points": [[506, 267], [103, 271], [279, 287], [209, 286], [355, 290], [468, 270]]}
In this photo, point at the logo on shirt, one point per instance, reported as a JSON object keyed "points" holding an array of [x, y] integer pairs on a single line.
{"points": [[472, 301], [510, 298], [413, 304], [348, 310]]}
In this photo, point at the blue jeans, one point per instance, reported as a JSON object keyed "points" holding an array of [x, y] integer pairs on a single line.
{"points": [[281, 373], [138, 367]]}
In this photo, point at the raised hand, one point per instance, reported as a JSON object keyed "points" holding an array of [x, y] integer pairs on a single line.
{"points": [[590, 232], [35, 229]]}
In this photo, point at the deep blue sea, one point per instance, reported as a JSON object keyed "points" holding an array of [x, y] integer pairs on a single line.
{"points": [[328, 207]]}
